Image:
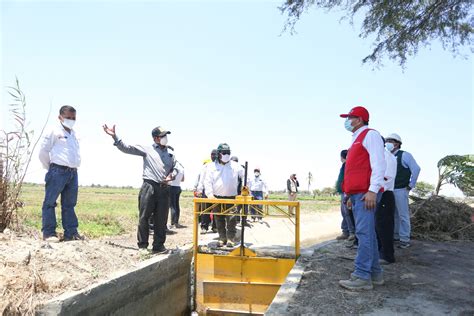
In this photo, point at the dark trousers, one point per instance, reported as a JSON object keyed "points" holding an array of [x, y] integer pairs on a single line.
{"points": [[175, 192], [225, 223], [384, 226], [205, 219], [258, 195], [153, 201]]}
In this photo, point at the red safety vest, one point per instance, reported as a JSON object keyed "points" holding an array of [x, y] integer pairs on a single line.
{"points": [[358, 171]]}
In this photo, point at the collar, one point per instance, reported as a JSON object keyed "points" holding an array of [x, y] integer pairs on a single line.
{"points": [[360, 130]]}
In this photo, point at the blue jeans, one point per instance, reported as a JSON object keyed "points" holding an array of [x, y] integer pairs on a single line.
{"points": [[258, 195], [367, 260], [60, 181], [402, 215], [347, 226]]}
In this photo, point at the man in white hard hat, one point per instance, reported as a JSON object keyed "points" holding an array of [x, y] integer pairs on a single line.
{"points": [[407, 175]]}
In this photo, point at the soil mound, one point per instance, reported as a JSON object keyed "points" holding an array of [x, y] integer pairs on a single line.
{"points": [[439, 218]]}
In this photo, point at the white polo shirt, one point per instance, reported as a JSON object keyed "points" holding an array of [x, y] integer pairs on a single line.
{"points": [[222, 180], [61, 148]]}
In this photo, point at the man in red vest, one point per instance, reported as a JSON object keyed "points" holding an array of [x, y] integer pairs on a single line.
{"points": [[363, 185]]}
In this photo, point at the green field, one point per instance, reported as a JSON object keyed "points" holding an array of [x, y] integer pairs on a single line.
{"points": [[112, 211]]}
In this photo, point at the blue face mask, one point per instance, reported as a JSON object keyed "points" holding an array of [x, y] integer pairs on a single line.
{"points": [[348, 126], [389, 146]]}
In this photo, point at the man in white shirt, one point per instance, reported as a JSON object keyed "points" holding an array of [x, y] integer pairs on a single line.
{"points": [[59, 154], [363, 184], [258, 189], [384, 216], [221, 182]]}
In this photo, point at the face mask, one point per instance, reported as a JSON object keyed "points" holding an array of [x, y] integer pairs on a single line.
{"points": [[225, 158], [164, 140], [68, 123], [257, 174], [348, 126], [389, 146]]}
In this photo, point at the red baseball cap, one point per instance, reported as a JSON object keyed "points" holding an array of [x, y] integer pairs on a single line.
{"points": [[358, 111]]}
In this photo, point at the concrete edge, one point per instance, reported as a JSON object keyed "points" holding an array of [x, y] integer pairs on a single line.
{"points": [[55, 305], [279, 305]]}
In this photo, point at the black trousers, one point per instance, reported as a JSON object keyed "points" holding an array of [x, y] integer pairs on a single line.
{"points": [[175, 192], [384, 226], [153, 201], [205, 219]]}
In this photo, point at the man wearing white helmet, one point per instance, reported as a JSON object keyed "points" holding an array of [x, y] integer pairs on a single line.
{"points": [[407, 175]]}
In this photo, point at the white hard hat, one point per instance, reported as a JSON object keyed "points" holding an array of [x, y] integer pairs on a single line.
{"points": [[395, 137]]}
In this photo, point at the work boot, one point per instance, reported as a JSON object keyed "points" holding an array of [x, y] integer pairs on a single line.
{"points": [[356, 284], [343, 236], [76, 236], [377, 279], [230, 244], [351, 237], [221, 243], [159, 250]]}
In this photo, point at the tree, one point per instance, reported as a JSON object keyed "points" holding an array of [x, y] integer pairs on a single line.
{"points": [[400, 27], [457, 170], [423, 189], [328, 191]]}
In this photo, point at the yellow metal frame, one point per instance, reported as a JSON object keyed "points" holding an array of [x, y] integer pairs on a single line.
{"points": [[241, 281]]}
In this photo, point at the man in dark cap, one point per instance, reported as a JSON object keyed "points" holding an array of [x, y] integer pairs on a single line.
{"points": [[221, 182], [153, 200]]}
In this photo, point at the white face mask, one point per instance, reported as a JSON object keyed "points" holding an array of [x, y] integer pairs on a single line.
{"points": [[68, 123], [164, 140], [389, 146], [225, 158], [257, 174]]}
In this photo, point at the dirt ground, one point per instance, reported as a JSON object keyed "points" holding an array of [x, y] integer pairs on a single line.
{"points": [[429, 278]]}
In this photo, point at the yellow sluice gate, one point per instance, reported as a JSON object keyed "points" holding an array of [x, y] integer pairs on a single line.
{"points": [[240, 282]]}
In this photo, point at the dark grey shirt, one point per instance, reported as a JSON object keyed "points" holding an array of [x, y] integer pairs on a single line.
{"points": [[158, 163]]}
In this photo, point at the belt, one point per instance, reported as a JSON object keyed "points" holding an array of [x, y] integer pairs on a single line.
{"points": [[157, 184], [62, 167]]}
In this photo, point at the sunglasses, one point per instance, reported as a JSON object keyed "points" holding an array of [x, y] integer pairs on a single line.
{"points": [[225, 152]]}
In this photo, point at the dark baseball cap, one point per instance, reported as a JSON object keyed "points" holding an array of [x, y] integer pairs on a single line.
{"points": [[159, 132]]}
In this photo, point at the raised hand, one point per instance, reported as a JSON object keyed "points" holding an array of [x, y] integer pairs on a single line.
{"points": [[109, 131]]}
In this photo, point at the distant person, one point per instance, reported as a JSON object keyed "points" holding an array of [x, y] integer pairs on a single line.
{"points": [[292, 185], [347, 224], [363, 184], [407, 175], [221, 182], [175, 192], [59, 154], [384, 216], [206, 219], [154, 197], [258, 189]]}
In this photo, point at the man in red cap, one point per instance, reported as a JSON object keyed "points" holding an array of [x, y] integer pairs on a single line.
{"points": [[363, 186]]}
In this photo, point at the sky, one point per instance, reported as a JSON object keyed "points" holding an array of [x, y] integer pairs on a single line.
{"points": [[223, 71]]}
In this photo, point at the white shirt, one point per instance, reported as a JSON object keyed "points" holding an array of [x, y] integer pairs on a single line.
{"points": [[179, 177], [390, 172], [374, 145], [222, 180], [199, 187], [61, 148], [258, 184]]}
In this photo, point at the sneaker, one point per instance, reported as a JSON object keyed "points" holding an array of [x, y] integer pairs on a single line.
{"points": [[170, 232], [260, 220], [143, 251], [203, 230], [230, 244], [352, 245], [384, 262], [172, 226], [351, 237], [404, 245], [377, 279], [221, 243], [342, 237], [76, 236], [159, 250], [356, 284], [51, 239]]}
